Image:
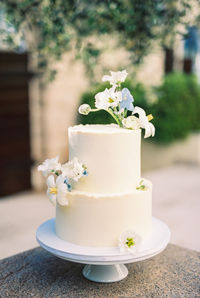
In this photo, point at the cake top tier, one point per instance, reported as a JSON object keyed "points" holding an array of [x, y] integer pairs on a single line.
{"points": [[100, 129], [111, 155]]}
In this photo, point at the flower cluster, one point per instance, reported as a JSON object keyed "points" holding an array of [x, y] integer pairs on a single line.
{"points": [[129, 241], [61, 177], [118, 102]]}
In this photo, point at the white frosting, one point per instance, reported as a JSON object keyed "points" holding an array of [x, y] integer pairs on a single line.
{"points": [[106, 203], [111, 154], [99, 219], [99, 128]]}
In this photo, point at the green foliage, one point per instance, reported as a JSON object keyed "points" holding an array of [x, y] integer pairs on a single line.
{"points": [[176, 110], [60, 25]]}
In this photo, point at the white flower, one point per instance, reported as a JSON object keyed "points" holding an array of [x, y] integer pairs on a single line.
{"points": [[73, 169], [108, 98], [144, 122], [57, 190], [84, 109], [50, 166], [116, 77], [129, 241], [131, 122]]}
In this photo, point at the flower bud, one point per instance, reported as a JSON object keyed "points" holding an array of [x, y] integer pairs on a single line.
{"points": [[131, 122], [84, 109]]}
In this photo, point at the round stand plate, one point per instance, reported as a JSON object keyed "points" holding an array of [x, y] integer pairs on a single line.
{"points": [[107, 259]]}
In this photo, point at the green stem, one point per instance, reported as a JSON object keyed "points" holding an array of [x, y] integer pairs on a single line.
{"points": [[95, 110], [115, 117], [111, 113], [125, 113]]}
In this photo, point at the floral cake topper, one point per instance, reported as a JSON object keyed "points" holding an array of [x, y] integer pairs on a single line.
{"points": [[60, 177], [117, 102]]}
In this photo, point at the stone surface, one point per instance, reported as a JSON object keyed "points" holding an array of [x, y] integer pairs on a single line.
{"points": [[36, 273]]}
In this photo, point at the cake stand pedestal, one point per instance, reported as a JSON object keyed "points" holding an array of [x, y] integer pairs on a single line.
{"points": [[103, 264], [105, 273]]}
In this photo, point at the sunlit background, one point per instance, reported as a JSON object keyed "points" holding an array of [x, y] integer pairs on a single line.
{"points": [[52, 57]]}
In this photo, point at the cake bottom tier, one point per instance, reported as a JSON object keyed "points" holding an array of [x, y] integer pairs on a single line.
{"points": [[98, 220]]}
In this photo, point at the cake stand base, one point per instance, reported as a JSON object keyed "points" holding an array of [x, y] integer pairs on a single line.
{"points": [[103, 264], [105, 273]]}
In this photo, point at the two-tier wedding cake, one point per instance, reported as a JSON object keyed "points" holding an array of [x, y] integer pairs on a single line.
{"points": [[101, 199]]}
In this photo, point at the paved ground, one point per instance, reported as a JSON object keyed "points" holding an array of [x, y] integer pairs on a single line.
{"points": [[176, 200]]}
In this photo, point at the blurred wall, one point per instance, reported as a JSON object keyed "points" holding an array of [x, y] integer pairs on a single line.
{"points": [[53, 110]]}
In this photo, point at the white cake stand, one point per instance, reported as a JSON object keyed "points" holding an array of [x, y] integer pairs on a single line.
{"points": [[103, 264]]}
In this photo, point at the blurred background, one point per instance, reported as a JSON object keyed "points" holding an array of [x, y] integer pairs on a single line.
{"points": [[52, 57]]}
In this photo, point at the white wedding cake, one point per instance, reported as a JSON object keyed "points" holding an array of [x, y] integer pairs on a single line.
{"points": [[101, 199]]}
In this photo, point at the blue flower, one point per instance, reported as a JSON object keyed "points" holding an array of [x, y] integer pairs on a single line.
{"points": [[127, 100], [66, 181]]}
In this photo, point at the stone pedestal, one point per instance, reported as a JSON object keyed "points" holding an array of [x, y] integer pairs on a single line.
{"points": [[36, 273]]}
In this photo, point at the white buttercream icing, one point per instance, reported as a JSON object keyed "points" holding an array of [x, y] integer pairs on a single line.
{"points": [[99, 220], [100, 128], [112, 155]]}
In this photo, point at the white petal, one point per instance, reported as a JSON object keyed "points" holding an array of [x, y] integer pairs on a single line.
{"points": [[75, 160], [106, 78], [131, 122], [112, 90], [54, 160], [101, 100], [52, 197], [51, 181], [48, 165], [40, 168], [118, 76], [122, 248], [152, 129], [60, 180], [73, 169], [119, 96], [43, 169], [122, 241], [124, 72], [147, 131], [139, 111]]}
